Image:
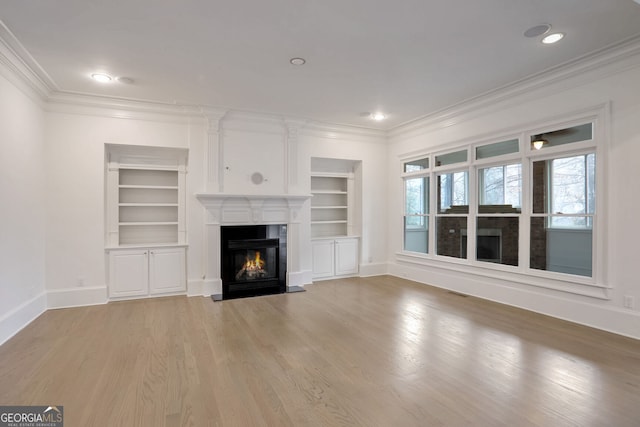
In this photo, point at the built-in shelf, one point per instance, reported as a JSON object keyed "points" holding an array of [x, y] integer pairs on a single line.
{"points": [[330, 205], [148, 204], [146, 196], [335, 208], [150, 187], [126, 224]]}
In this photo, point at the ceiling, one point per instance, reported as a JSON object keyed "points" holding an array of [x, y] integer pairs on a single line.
{"points": [[408, 58]]}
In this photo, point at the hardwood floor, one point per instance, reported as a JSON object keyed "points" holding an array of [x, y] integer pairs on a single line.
{"points": [[377, 351]]}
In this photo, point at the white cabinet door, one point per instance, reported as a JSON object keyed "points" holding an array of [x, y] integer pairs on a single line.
{"points": [[167, 270], [346, 254], [128, 273], [323, 255]]}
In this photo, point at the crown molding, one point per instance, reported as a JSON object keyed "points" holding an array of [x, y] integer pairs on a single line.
{"points": [[336, 131], [609, 60], [22, 69]]}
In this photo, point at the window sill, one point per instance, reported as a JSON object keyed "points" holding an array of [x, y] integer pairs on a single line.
{"points": [[539, 279]]}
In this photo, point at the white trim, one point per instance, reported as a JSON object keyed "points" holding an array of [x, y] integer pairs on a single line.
{"points": [[586, 312], [541, 279], [76, 297], [373, 269], [299, 278], [15, 320], [607, 61], [599, 116], [195, 288]]}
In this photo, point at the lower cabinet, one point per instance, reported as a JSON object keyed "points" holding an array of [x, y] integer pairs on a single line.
{"points": [[146, 271], [334, 257]]}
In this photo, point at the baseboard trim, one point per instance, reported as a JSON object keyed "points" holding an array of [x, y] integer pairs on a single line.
{"points": [[592, 313], [378, 269], [211, 287], [76, 297], [14, 321], [299, 278], [195, 288]]}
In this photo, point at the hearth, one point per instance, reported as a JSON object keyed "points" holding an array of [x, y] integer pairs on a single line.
{"points": [[253, 260]]}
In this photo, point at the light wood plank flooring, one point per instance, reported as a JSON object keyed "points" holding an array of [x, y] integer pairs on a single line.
{"points": [[378, 351]]}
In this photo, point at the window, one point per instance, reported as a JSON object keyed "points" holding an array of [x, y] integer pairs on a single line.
{"points": [[452, 191], [416, 218], [416, 165], [563, 210], [497, 149], [498, 221], [453, 210], [562, 136], [511, 204], [500, 185], [573, 191], [451, 158]]}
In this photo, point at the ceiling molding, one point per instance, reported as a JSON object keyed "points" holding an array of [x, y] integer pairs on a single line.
{"points": [[334, 131], [23, 69], [614, 55]]}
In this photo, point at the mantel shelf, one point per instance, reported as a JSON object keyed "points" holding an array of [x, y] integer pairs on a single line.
{"points": [[150, 187], [226, 208]]}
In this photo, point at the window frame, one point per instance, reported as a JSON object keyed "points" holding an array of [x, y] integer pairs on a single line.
{"points": [[595, 285]]}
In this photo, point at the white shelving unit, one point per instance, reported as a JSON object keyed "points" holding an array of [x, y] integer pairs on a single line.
{"points": [[334, 226], [330, 204], [148, 206], [146, 218]]}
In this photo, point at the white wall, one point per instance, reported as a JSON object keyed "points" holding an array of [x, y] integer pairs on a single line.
{"points": [[370, 149], [612, 82], [22, 210], [75, 174], [76, 260]]}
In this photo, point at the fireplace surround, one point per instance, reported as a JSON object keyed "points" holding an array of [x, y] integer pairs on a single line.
{"points": [[253, 260], [226, 209]]}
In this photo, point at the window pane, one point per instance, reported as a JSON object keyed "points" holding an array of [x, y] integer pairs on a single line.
{"points": [[565, 186], [416, 234], [416, 165], [497, 240], [453, 193], [499, 189], [449, 236], [563, 136], [451, 158], [497, 149], [568, 177], [417, 196], [561, 250]]}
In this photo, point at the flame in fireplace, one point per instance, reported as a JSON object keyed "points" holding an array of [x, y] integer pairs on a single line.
{"points": [[252, 268], [255, 264]]}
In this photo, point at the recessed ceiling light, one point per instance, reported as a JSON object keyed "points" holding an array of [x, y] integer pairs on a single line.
{"points": [[101, 77], [297, 61], [378, 116], [125, 80], [552, 38], [538, 30]]}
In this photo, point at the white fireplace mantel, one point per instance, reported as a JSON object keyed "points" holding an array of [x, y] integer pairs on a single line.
{"points": [[225, 209], [229, 209]]}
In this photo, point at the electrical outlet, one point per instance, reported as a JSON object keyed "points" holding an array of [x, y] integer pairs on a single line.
{"points": [[629, 301]]}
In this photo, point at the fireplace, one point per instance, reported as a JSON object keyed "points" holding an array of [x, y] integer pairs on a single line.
{"points": [[253, 260]]}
